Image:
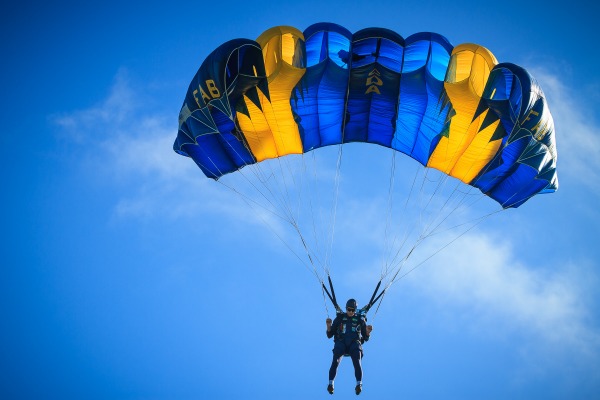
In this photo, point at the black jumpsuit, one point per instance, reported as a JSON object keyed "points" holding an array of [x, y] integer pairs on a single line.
{"points": [[349, 334]]}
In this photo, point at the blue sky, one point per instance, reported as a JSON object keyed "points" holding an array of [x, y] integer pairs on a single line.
{"points": [[128, 275]]}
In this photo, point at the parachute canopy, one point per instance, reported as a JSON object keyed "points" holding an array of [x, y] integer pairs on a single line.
{"points": [[455, 109]]}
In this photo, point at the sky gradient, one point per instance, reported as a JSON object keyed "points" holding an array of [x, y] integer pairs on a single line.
{"points": [[129, 275]]}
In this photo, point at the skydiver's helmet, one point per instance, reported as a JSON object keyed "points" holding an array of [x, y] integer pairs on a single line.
{"points": [[352, 304]]}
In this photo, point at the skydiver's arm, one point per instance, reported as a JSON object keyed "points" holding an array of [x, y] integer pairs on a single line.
{"points": [[333, 327], [366, 329]]}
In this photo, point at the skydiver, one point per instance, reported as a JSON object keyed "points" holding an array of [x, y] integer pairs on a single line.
{"points": [[349, 331]]}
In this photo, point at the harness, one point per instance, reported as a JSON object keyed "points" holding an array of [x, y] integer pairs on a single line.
{"points": [[350, 326], [357, 319]]}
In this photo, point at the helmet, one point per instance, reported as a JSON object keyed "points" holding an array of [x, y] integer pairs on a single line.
{"points": [[351, 304]]}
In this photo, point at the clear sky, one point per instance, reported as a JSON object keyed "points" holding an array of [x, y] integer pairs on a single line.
{"points": [[126, 274]]}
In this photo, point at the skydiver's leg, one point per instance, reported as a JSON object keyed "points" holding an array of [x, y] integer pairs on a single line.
{"points": [[356, 355], [338, 353], [334, 365]]}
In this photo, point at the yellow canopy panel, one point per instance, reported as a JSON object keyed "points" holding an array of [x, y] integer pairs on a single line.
{"points": [[271, 130], [466, 149]]}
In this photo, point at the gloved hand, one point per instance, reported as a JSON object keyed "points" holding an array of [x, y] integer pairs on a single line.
{"points": [[369, 329]]}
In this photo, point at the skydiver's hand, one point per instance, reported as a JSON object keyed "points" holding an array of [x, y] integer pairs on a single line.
{"points": [[328, 322], [369, 329]]}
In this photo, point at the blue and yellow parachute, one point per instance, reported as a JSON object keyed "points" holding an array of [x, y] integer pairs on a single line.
{"points": [[455, 109]]}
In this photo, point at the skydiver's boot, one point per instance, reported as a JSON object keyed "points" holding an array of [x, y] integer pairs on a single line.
{"points": [[330, 388], [358, 388]]}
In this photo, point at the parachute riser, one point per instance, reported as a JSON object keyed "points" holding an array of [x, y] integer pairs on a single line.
{"points": [[331, 296], [362, 311], [374, 298]]}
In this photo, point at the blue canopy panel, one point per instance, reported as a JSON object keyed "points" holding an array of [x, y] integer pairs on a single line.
{"points": [[319, 99], [424, 107], [205, 148], [503, 95], [532, 175], [207, 130], [526, 161], [372, 105]]}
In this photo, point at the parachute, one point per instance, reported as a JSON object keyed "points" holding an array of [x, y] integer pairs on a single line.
{"points": [[452, 109]]}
